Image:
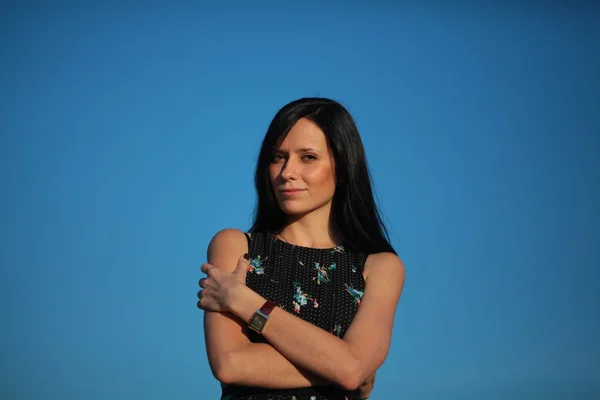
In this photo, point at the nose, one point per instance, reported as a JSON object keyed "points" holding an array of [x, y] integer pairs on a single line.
{"points": [[289, 170]]}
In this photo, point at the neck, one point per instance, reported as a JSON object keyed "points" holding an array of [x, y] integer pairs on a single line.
{"points": [[315, 229]]}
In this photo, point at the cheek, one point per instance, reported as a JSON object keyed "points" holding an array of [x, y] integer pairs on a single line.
{"points": [[273, 172], [323, 177]]}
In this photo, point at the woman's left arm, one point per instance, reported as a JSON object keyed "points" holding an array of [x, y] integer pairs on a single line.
{"points": [[348, 361]]}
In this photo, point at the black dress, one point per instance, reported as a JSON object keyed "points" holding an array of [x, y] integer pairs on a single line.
{"points": [[321, 286]]}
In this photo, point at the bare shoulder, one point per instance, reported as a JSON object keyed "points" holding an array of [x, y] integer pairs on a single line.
{"points": [[226, 247], [386, 265], [228, 236]]}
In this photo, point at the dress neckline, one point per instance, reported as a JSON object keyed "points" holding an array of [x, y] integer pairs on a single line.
{"points": [[275, 238]]}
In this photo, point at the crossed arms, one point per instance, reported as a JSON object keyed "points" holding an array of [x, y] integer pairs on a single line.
{"points": [[299, 354]]}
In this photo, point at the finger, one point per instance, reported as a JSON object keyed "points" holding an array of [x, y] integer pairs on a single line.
{"points": [[242, 265], [202, 282], [199, 303], [206, 267], [369, 381]]}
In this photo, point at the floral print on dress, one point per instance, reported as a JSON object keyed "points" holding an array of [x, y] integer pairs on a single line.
{"points": [[355, 293], [338, 249], [322, 273], [337, 330], [296, 276], [256, 265], [301, 298]]}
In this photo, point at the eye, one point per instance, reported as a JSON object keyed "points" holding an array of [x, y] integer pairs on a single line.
{"points": [[277, 158], [309, 157]]}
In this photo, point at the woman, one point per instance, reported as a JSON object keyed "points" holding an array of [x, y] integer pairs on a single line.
{"points": [[302, 307]]}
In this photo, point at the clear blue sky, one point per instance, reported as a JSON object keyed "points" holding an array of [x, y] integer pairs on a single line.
{"points": [[129, 136]]}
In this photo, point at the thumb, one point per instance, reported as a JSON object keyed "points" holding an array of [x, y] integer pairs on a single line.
{"points": [[242, 265]]}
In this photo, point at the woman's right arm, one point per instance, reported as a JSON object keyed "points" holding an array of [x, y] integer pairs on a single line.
{"points": [[232, 357]]}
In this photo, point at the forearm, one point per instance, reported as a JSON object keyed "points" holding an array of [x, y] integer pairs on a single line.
{"points": [[304, 344], [261, 365]]}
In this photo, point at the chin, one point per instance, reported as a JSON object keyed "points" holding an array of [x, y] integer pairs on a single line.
{"points": [[293, 210], [297, 208]]}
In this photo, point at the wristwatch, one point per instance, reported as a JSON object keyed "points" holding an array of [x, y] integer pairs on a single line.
{"points": [[261, 316]]}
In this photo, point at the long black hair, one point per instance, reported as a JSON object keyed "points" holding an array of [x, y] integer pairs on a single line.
{"points": [[354, 210]]}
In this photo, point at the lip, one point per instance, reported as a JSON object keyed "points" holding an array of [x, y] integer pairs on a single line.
{"points": [[291, 192]]}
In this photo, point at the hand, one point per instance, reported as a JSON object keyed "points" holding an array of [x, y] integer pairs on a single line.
{"points": [[366, 387], [219, 287]]}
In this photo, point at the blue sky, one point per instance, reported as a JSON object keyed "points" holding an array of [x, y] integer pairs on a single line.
{"points": [[129, 136]]}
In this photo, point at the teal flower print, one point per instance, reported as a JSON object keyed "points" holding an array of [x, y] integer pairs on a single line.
{"points": [[356, 294], [337, 330], [338, 249], [256, 265], [322, 273], [301, 298]]}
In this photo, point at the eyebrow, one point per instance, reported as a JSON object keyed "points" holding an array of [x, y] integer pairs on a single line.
{"points": [[299, 150]]}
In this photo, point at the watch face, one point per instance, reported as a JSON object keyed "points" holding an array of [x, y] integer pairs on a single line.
{"points": [[258, 322]]}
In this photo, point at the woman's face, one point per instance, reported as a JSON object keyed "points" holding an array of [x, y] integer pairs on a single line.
{"points": [[302, 169]]}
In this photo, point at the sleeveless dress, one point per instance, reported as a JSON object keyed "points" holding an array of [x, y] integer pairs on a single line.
{"points": [[321, 286]]}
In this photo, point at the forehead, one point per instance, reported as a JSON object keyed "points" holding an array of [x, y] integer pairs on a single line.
{"points": [[305, 134]]}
